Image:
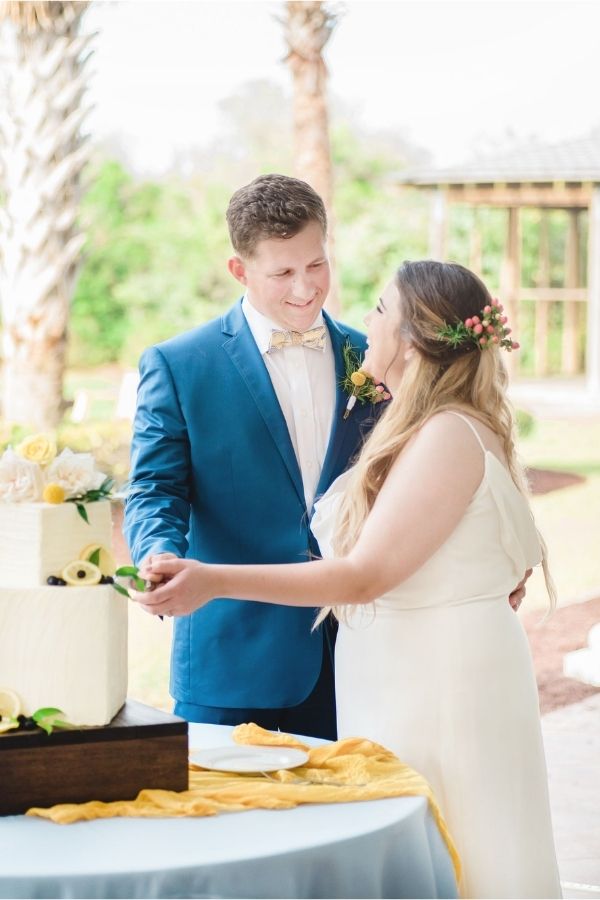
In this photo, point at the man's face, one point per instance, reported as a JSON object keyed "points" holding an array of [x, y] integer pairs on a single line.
{"points": [[287, 279]]}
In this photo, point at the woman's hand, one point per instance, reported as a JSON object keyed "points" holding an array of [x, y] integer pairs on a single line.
{"points": [[184, 587], [516, 597]]}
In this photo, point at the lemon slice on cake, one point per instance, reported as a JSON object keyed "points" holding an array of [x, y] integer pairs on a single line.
{"points": [[10, 707], [81, 573], [100, 556]]}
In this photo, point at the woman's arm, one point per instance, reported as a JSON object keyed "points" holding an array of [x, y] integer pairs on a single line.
{"points": [[422, 501]]}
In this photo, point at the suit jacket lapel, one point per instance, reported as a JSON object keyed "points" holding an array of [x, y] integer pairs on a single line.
{"points": [[343, 431], [246, 357]]}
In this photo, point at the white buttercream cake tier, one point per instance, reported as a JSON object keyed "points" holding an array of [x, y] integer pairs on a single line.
{"points": [[40, 539], [65, 647]]}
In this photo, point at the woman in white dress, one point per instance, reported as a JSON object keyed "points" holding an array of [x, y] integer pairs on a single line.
{"points": [[423, 539]]}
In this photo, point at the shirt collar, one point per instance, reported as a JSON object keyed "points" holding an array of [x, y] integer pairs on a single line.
{"points": [[261, 326]]}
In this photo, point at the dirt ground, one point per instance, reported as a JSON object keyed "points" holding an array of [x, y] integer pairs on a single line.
{"points": [[567, 629]]}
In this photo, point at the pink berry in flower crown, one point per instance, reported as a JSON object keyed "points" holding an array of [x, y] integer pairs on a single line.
{"points": [[490, 329]]}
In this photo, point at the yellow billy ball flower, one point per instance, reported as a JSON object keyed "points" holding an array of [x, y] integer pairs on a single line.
{"points": [[53, 493], [358, 378]]}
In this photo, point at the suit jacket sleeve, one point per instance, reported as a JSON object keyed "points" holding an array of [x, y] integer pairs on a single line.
{"points": [[158, 504]]}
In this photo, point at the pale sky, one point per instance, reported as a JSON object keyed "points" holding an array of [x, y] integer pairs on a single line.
{"points": [[448, 74]]}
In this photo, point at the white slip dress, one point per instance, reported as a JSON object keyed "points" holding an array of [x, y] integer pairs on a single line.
{"points": [[439, 671]]}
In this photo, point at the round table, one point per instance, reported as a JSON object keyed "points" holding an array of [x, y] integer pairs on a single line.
{"points": [[381, 848]]}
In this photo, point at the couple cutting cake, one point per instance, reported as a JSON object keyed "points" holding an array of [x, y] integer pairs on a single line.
{"points": [[246, 467]]}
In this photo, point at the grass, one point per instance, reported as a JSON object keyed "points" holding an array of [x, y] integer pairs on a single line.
{"points": [[568, 518]]}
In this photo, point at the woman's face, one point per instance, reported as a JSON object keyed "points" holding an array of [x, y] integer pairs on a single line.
{"points": [[388, 348]]}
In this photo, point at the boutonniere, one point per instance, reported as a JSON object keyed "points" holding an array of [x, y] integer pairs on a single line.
{"points": [[357, 383]]}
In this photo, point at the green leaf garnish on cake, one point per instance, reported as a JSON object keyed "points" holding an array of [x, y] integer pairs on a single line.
{"points": [[11, 718], [133, 573]]}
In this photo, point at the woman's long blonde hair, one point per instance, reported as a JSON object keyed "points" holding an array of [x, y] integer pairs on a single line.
{"points": [[437, 378]]}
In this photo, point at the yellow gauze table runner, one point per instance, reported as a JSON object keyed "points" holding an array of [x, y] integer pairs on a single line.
{"points": [[340, 772]]}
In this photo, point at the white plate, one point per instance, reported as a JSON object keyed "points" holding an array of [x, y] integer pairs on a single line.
{"points": [[248, 758]]}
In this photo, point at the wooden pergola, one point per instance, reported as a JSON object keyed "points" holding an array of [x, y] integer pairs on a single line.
{"points": [[556, 176]]}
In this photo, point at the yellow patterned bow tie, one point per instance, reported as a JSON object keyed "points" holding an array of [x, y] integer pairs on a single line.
{"points": [[314, 338]]}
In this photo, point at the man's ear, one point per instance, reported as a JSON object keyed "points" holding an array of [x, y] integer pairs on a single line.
{"points": [[237, 268]]}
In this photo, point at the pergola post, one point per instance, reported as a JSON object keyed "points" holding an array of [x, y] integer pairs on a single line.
{"points": [[593, 319], [570, 349], [475, 243], [542, 307], [438, 225], [510, 278]]}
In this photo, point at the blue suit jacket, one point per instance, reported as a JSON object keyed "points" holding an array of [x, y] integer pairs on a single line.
{"points": [[215, 477]]}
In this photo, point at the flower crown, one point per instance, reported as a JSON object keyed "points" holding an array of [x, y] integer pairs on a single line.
{"points": [[488, 329]]}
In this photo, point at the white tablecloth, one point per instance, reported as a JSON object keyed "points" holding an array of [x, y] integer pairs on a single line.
{"points": [[381, 848]]}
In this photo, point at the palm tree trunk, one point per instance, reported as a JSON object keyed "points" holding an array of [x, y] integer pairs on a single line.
{"points": [[42, 154], [308, 28]]}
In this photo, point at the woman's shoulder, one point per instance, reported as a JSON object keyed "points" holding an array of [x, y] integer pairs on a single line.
{"points": [[442, 453], [450, 429]]}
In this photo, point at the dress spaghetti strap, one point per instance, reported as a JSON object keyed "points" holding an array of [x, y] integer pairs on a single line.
{"points": [[471, 426]]}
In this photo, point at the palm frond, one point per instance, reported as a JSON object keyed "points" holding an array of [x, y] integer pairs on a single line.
{"points": [[40, 16]]}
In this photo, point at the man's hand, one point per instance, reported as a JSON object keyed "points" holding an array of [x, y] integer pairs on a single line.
{"points": [[516, 597], [153, 578]]}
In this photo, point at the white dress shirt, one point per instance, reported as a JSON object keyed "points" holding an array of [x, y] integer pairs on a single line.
{"points": [[304, 382]]}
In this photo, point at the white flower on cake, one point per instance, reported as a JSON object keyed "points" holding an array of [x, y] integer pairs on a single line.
{"points": [[76, 473], [21, 481]]}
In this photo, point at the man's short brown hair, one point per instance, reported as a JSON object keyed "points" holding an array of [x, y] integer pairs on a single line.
{"points": [[272, 206]]}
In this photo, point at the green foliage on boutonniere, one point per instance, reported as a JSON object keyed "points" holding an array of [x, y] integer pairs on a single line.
{"points": [[352, 381], [357, 383]]}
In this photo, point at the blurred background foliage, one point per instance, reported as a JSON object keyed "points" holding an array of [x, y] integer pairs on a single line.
{"points": [[154, 261]]}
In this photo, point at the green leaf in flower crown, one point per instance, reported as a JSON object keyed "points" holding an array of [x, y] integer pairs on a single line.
{"points": [[121, 590], [95, 557]]}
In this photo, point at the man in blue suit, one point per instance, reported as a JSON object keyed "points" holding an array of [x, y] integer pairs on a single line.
{"points": [[239, 426]]}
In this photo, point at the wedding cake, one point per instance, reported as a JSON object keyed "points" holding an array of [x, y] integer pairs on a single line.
{"points": [[63, 626]]}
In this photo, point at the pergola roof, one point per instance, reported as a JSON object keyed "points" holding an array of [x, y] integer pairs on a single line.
{"points": [[570, 161]]}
